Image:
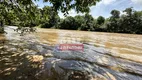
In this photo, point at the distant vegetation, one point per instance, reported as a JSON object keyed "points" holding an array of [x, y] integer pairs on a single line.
{"points": [[129, 22], [26, 14]]}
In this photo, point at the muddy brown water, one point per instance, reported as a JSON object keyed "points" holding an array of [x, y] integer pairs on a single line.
{"points": [[106, 56], [119, 45]]}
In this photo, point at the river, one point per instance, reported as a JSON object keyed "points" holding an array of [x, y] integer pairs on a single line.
{"points": [[106, 56]]}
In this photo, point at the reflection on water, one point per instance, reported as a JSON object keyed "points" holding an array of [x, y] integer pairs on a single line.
{"points": [[49, 38], [118, 44], [108, 57], [2, 37], [15, 65], [15, 61]]}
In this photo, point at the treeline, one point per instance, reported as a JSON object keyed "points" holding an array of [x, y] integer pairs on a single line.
{"points": [[25, 13], [47, 17], [129, 22]]}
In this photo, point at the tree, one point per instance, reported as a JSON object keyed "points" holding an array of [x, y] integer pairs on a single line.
{"points": [[113, 24], [49, 17], [137, 15], [80, 21], [78, 5], [89, 20], [129, 11], [115, 14], [26, 8], [131, 22], [69, 23], [100, 20], [85, 22], [11, 9], [99, 23]]}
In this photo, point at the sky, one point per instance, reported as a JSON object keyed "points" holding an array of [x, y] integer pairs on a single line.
{"points": [[102, 8]]}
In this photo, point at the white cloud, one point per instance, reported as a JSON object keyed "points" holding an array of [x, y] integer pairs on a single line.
{"points": [[122, 13], [106, 2], [61, 14], [71, 13], [137, 1]]}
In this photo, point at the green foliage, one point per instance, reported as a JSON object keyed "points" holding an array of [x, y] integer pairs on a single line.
{"points": [[1, 30], [78, 5], [85, 22], [89, 20], [1, 24], [129, 23], [80, 22], [49, 17], [115, 14], [68, 23], [113, 24], [24, 13], [100, 20]]}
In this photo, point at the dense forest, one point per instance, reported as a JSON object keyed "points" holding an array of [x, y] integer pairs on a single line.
{"points": [[47, 17], [129, 22]]}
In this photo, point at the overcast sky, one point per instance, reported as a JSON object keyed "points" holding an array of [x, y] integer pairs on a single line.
{"points": [[103, 8]]}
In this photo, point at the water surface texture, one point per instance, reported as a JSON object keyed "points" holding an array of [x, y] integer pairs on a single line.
{"points": [[106, 56]]}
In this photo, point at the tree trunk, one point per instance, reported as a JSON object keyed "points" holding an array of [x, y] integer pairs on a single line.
{"points": [[2, 26]]}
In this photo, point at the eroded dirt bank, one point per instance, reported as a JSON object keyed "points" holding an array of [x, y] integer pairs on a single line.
{"points": [[107, 56]]}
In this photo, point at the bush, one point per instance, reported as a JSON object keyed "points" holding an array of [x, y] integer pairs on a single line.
{"points": [[1, 30], [45, 25]]}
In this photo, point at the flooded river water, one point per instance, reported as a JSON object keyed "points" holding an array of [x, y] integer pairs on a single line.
{"points": [[106, 56]]}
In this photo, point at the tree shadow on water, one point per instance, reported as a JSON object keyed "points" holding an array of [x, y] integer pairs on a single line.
{"points": [[15, 65]]}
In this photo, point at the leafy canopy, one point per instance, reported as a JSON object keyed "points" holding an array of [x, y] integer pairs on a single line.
{"points": [[63, 5], [78, 5]]}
